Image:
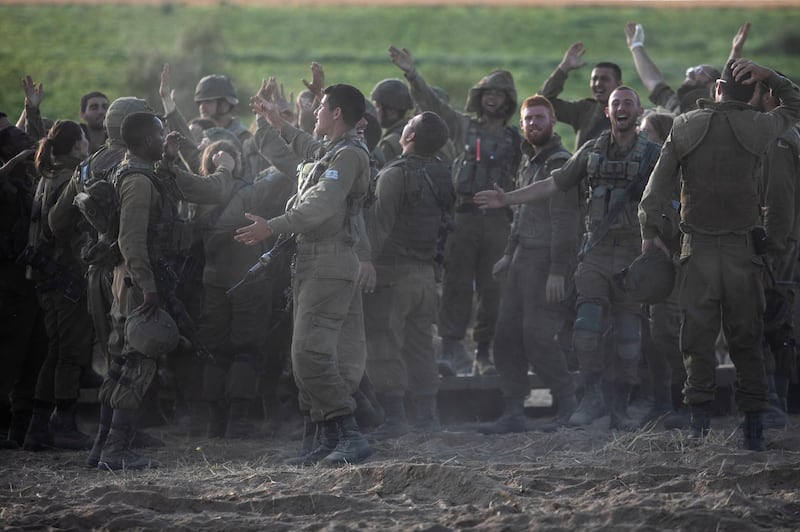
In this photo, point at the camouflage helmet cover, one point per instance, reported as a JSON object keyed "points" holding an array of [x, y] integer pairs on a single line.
{"points": [[392, 92], [118, 110], [155, 337], [496, 79], [650, 277], [215, 87]]}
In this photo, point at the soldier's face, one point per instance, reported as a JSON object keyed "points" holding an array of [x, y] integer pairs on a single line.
{"points": [[623, 110], [324, 117], [602, 83], [407, 136], [155, 141], [493, 102], [95, 112], [209, 108], [537, 124]]}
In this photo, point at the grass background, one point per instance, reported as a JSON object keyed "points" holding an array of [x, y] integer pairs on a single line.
{"points": [[119, 50]]}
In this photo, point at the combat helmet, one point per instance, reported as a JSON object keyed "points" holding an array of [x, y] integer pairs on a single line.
{"points": [[496, 79], [118, 110], [393, 93], [153, 338], [650, 277], [215, 87]]}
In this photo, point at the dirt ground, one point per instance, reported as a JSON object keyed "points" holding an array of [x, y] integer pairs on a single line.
{"points": [[590, 479]]}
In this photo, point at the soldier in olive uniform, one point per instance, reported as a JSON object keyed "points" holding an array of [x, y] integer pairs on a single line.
{"points": [[716, 152], [392, 102], [616, 167], [540, 258], [488, 154], [328, 345]]}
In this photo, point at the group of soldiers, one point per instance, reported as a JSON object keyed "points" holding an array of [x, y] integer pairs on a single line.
{"points": [[334, 237]]}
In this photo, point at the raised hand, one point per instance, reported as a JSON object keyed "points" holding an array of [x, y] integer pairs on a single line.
{"points": [[317, 80], [167, 94], [573, 57], [402, 59], [34, 93]]}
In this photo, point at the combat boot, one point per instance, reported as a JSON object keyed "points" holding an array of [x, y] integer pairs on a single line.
{"points": [[352, 447], [753, 432], [591, 406], [617, 396], [106, 414], [38, 437], [512, 419], [65, 430], [566, 406], [426, 415], [394, 423], [699, 421], [327, 438], [483, 364], [117, 454]]}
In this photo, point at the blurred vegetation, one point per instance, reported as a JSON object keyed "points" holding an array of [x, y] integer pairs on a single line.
{"points": [[120, 49]]}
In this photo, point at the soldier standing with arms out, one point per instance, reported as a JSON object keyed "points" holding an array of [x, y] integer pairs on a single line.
{"points": [[616, 167], [716, 151], [328, 345], [392, 102], [413, 196], [488, 154], [540, 256], [587, 117]]}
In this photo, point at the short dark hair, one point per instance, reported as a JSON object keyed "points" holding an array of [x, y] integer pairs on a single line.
{"points": [[347, 98], [136, 127], [430, 134], [88, 96], [613, 66], [626, 88], [733, 89]]}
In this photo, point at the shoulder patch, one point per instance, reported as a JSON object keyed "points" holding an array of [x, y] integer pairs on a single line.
{"points": [[331, 174]]}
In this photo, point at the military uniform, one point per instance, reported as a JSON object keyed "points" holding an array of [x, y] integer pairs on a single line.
{"points": [[389, 145], [484, 158], [613, 175], [542, 242], [412, 196], [328, 345], [682, 101], [718, 149], [587, 116]]}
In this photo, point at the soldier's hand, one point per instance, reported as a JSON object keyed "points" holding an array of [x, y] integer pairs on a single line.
{"points": [[223, 159], [737, 45], [150, 304], [500, 267], [403, 60], [573, 57], [367, 276], [554, 290], [490, 199], [167, 94], [317, 80], [742, 68], [33, 92], [254, 233], [172, 144], [634, 34], [268, 110]]}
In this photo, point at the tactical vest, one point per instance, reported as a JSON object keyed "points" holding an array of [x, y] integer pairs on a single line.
{"points": [[429, 195], [720, 184], [311, 171], [489, 158], [608, 181]]}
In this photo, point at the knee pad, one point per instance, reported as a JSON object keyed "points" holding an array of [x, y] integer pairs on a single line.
{"points": [[588, 329], [628, 335]]}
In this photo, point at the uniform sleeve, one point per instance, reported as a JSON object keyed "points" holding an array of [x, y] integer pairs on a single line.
{"points": [[326, 198], [189, 152], [564, 222], [362, 247], [656, 202], [136, 196], [389, 196], [573, 171], [567, 112], [781, 182], [663, 95], [64, 216], [275, 149], [784, 116], [427, 100], [304, 145], [212, 189]]}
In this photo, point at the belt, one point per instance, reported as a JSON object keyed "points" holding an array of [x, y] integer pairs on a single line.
{"points": [[727, 239], [324, 246]]}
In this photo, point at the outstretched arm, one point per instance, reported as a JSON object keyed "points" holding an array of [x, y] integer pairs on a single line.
{"points": [[497, 198], [737, 45], [648, 72]]}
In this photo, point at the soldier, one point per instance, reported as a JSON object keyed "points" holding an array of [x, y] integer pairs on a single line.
{"points": [[488, 154], [55, 265], [94, 106], [216, 98], [143, 281], [414, 195], [587, 117], [716, 151], [539, 257], [392, 102], [616, 167], [328, 346]]}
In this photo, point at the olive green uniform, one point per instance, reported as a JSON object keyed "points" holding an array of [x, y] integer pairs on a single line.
{"points": [[389, 145], [682, 101], [587, 116], [411, 197], [328, 345], [716, 151]]}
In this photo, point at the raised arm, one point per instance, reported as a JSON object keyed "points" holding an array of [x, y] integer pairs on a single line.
{"points": [[648, 72]]}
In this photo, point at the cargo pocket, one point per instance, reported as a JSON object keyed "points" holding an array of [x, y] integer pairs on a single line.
{"points": [[323, 335]]}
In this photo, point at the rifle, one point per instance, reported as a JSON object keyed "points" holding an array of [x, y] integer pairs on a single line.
{"points": [[283, 244]]}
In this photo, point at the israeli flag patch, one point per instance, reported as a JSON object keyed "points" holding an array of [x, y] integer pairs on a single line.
{"points": [[331, 174]]}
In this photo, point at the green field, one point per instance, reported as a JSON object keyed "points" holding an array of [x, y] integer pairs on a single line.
{"points": [[120, 49]]}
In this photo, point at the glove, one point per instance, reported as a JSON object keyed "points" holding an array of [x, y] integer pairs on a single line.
{"points": [[638, 37]]}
